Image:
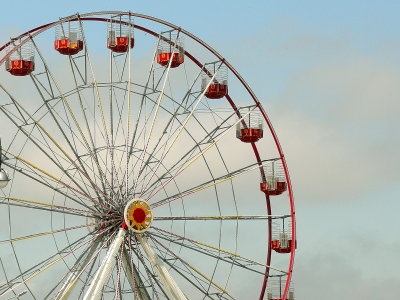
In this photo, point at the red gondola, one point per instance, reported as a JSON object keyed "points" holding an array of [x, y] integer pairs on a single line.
{"points": [[69, 39], [170, 49], [163, 59], [22, 61], [273, 180], [218, 73], [20, 67], [120, 34], [250, 129], [67, 46], [120, 44]]}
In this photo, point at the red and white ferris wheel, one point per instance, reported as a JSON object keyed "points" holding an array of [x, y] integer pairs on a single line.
{"points": [[131, 167]]}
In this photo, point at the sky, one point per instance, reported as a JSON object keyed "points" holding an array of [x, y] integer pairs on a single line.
{"points": [[327, 73]]}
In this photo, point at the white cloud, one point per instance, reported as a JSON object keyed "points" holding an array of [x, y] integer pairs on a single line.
{"points": [[338, 124]]}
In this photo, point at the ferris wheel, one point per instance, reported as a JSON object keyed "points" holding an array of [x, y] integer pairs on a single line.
{"points": [[132, 168]]}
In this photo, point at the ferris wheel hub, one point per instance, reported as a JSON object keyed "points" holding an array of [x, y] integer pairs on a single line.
{"points": [[138, 215]]}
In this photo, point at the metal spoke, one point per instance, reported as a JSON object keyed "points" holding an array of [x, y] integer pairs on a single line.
{"points": [[29, 136], [206, 252], [66, 103], [13, 281], [206, 140], [46, 267], [183, 125], [46, 184], [193, 268], [234, 255], [160, 98], [46, 233], [53, 207], [97, 92], [210, 183], [72, 272], [92, 147], [56, 179], [187, 165], [218, 218], [128, 123]]}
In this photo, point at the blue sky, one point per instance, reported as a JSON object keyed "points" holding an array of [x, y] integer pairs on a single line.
{"points": [[328, 73]]}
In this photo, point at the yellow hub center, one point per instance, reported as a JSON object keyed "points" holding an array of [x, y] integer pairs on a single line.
{"points": [[138, 215]]}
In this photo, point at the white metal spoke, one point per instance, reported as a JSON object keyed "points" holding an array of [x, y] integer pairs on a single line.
{"points": [[128, 123], [182, 127], [160, 98], [185, 263], [57, 179], [187, 165], [66, 103], [47, 153], [109, 142], [218, 218], [213, 248], [210, 183], [47, 183], [186, 157], [92, 146]]}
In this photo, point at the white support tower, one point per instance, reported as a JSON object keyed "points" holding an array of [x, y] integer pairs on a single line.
{"points": [[96, 288], [171, 288], [134, 279]]}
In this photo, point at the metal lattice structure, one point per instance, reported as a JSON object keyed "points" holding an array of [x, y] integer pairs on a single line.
{"points": [[128, 179]]}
